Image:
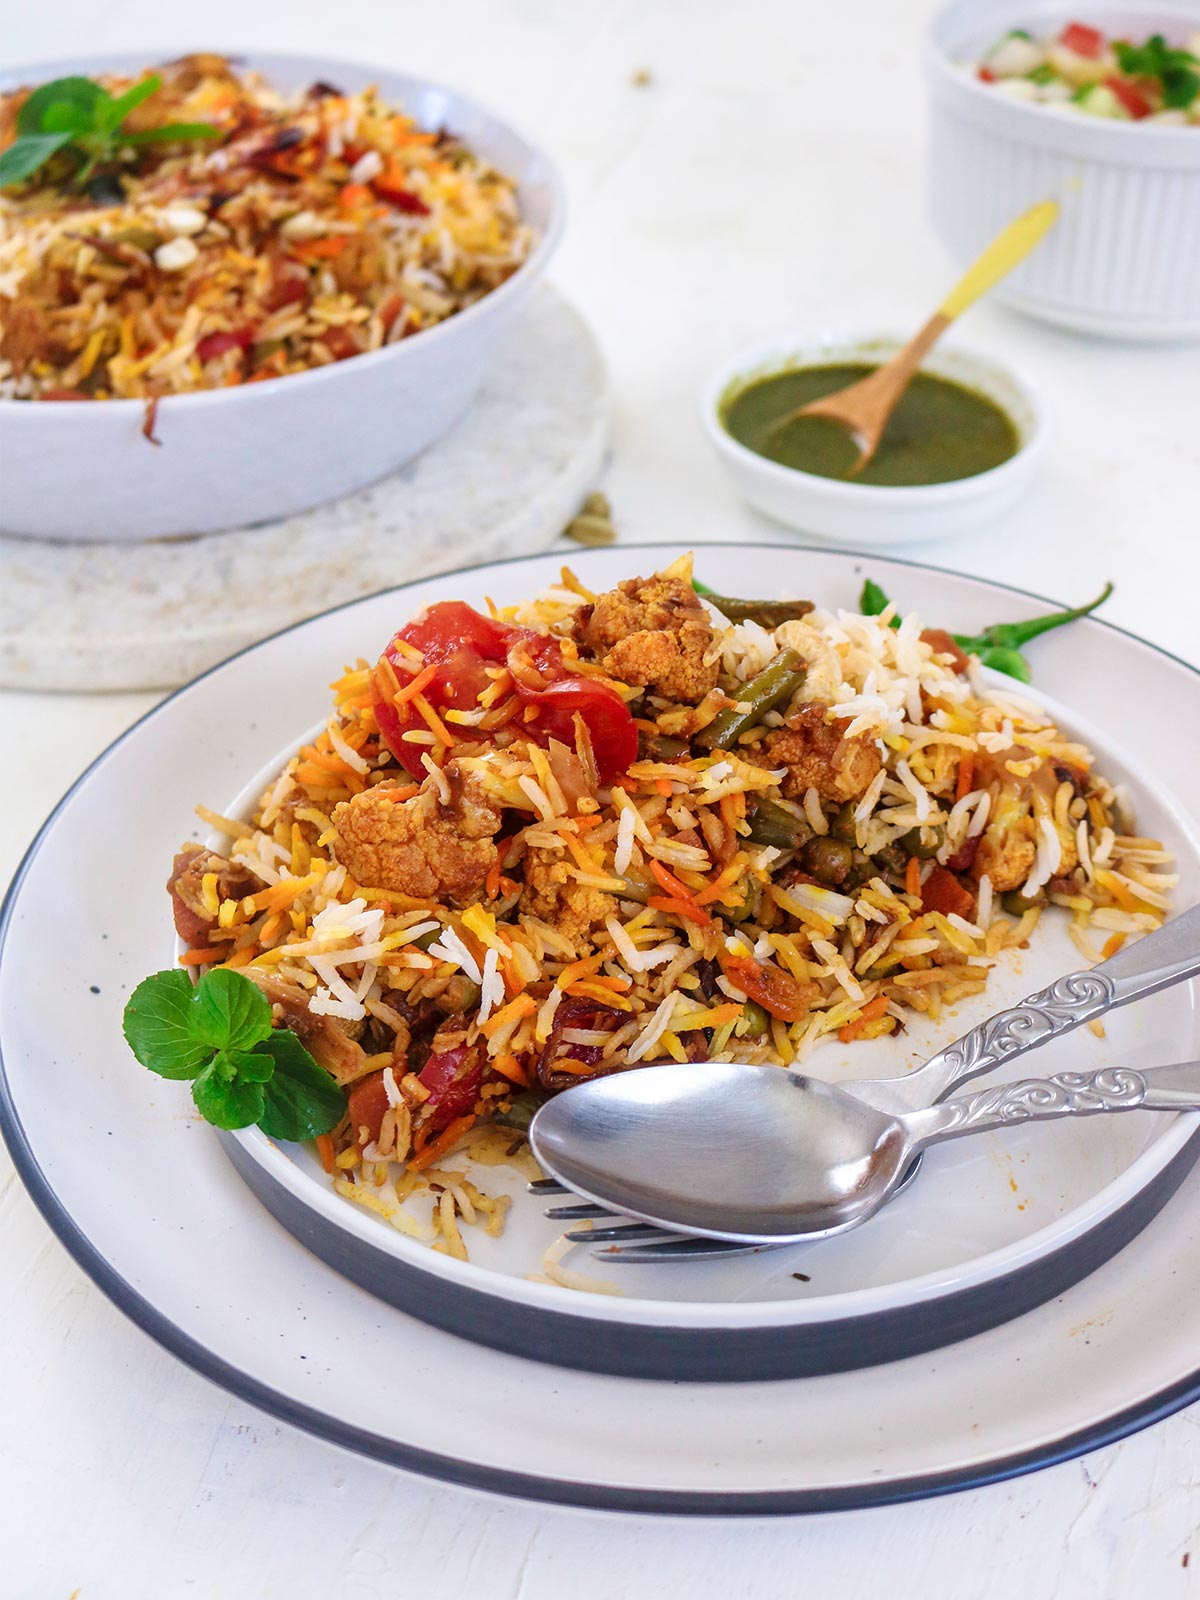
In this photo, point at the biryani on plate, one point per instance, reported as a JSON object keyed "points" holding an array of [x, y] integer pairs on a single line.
{"points": [[193, 228], [536, 844]]}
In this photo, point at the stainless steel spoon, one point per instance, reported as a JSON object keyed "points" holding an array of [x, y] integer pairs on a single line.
{"points": [[758, 1155]]}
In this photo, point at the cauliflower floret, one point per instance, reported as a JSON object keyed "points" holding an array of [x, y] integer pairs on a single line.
{"points": [[421, 847], [818, 755], [652, 632], [553, 895]]}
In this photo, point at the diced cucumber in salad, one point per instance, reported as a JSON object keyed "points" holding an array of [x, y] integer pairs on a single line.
{"points": [[1083, 70]]}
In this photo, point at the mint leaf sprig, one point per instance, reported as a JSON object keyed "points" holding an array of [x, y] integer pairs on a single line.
{"points": [[80, 116], [218, 1034], [1176, 70]]}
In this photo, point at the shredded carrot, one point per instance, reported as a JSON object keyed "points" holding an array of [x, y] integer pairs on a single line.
{"points": [[355, 194], [449, 1137], [578, 1069], [512, 1070], [523, 1006], [435, 723], [581, 969], [680, 908], [1111, 945], [325, 1150], [966, 777], [492, 882], [595, 989], [201, 958], [912, 878], [321, 249], [678, 890], [663, 785], [872, 1009], [717, 888], [414, 686]]}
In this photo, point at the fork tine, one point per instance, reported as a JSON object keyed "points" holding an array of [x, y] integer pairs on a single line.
{"points": [[676, 1250], [546, 1186], [576, 1213], [619, 1233]]}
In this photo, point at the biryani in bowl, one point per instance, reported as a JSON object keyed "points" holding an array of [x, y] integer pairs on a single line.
{"points": [[595, 831], [191, 232]]}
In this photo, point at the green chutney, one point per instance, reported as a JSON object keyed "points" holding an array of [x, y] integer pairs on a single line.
{"points": [[940, 431]]}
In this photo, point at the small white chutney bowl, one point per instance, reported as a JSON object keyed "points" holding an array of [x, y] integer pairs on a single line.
{"points": [[82, 470], [1124, 258], [845, 512]]}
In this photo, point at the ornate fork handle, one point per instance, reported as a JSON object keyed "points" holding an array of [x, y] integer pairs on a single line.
{"points": [[1061, 1006], [1067, 1094]]}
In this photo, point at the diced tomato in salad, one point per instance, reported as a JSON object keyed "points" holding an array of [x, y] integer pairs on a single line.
{"points": [[1084, 41], [1130, 96], [461, 645]]}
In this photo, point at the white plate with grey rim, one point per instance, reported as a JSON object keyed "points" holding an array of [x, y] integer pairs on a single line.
{"points": [[140, 1192]]}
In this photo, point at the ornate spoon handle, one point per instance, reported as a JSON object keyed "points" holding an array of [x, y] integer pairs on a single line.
{"points": [[1066, 1094], [1162, 958]]}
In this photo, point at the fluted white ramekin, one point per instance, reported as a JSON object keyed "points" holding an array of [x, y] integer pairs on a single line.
{"points": [[1124, 259]]}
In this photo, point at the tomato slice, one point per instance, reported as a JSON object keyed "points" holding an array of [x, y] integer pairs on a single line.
{"points": [[1084, 41], [1130, 96], [610, 727], [772, 988], [453, 1078], [462, 644]]}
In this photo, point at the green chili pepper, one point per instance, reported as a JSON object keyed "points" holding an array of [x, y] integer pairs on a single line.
{"points": [[773, 687], [999, 646], [1001, 658], [872, 602], [1012, 635], [767, 613], [775, 825]]}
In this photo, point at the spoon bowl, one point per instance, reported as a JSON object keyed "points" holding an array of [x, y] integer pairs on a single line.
{"points": [[724, 1150]]}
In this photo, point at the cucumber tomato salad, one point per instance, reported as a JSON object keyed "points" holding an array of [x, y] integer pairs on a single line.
{"points": [[1085, 70]]}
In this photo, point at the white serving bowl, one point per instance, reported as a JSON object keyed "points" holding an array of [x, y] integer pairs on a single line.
{"points": [[82, 470], [868, 514], [1124, 258]]}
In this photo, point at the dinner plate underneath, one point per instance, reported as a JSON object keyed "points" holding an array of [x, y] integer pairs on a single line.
{"points": [[158, 1217]]}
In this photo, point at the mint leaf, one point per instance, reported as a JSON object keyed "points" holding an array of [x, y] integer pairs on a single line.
{"points": [[25, 155], [227, 1104], [64, 104], [159, 1026], [246, 1065], [172, 133], [1180, 87], [302, 1099], [111, 113], [231, 1013]]}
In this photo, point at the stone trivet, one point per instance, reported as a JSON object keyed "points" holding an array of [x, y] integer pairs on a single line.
{"points": [[503, 482]]}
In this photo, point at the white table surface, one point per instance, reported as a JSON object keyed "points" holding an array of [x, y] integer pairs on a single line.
{"points": [[768, 178]]}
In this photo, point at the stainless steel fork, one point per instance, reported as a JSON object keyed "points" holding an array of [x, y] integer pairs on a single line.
{"points": [[1168, 956]]}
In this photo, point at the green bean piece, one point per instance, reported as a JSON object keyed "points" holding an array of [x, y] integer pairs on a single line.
{"points": [[773, 687], [775, 825], [924, 843], [843, 824], [767, 613], [753, 1022]]}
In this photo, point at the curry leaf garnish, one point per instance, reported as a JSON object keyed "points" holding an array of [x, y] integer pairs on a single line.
{"points": [[79, 116], [218, 1034], [999, 646]]}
